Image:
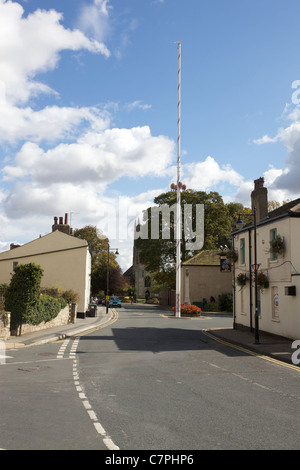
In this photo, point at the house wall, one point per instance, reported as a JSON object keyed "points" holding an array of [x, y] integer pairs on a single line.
{"points": [[205, 282], [279, 313], [65, 266]]}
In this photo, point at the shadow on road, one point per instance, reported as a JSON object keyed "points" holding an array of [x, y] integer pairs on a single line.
{"points": [[163, 339]]}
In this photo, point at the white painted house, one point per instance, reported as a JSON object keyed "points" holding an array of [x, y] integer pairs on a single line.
{"points": [[65, 259], [279, 301]]}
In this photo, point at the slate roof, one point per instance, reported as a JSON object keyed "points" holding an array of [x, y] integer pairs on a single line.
{"points": [[204, 258], [290, 209]]}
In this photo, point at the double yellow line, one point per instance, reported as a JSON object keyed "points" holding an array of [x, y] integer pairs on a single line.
{"points": [[252, 353], [110, 322]]}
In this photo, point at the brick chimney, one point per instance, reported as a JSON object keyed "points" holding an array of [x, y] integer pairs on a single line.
{"points": [[259, 199], [62, 225]]}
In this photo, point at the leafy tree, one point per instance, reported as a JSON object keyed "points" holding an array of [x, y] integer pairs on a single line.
{"points": [[98, 245], [24, 300], [160, 255], [235, 210], [22, 294]]}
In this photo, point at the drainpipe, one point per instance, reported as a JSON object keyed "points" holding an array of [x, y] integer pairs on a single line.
{"points": [[233, 286]]}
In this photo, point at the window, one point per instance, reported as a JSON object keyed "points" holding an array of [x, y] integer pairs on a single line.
{"points": [[15, 263], [273, 236], [242, 250]]}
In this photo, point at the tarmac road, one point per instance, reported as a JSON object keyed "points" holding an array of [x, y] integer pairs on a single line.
{"points": [[146, 381]]}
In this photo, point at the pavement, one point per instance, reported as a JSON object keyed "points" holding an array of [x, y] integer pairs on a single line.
{"points": [[50, 335], [272, 346]]}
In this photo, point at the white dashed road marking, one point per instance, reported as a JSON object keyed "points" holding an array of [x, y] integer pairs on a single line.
{"points": [[62, 349], [99, 428]]}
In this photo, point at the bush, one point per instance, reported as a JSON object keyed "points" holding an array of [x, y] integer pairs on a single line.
{"points": [[70, 296], [226, 302], [211, 307], [46, 309], [24, 301], [22, 294]]}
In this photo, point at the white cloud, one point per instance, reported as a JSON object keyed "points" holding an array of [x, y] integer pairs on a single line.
{"points": [[43, 35], [208, 173], [94, 19], [138, 104], [286, 182], [50, 124], [96, 160]]}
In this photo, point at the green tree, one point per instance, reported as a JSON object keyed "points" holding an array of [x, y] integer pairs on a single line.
{"points": [[98, 245], [160, 255], [22, 294]]}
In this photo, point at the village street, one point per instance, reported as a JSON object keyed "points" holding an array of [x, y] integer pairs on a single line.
{"points": [[146, 382]]}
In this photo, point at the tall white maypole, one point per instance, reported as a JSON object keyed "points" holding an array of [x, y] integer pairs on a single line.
{"points": [[178, 222]]}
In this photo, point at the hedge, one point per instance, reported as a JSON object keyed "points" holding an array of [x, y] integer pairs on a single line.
{"points": [[23, 299], [46, 309], [22, 294]]}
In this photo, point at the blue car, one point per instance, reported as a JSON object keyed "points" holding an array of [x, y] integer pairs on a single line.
{"points": [[114, 302]]}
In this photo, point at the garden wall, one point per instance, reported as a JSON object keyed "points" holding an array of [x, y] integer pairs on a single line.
{"points": [[63, 318], [4, 326]]}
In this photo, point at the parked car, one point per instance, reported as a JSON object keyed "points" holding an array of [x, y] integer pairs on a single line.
{"points": [[114, 302]]}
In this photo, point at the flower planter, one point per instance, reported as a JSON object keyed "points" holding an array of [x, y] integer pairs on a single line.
{"points": [[262, 281], [242, 279], [277, 246], [232, 256]]}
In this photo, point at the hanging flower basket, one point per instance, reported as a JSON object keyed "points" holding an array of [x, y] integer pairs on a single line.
{"points": [[232, 255], [262, 280], [241, 279], [277, 246]]}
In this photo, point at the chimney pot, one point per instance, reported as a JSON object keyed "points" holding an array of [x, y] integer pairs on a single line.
{"points": [[259, 199]]}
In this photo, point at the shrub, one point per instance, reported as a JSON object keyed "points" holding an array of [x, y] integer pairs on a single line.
{"points": [[24, 301], [226, 302], [70, 296], [22, 294], [211, 307], [46, 309]]}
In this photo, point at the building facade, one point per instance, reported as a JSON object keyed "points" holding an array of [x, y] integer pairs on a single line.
{"points": [[65, 259], [276, 241], [202, 278]]}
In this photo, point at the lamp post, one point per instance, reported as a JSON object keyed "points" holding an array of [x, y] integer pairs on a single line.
{"points": [[255, 268], [107, 276]]}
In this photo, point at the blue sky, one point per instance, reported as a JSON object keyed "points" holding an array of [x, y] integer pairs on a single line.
{"points": [[88, 107]]}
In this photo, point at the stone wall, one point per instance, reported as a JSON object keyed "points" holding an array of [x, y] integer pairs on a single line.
{"points": [[63, 318], [4, 326]]}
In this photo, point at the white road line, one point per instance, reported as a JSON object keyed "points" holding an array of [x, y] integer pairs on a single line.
{"points": [[62, 349], [99, 428]]}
